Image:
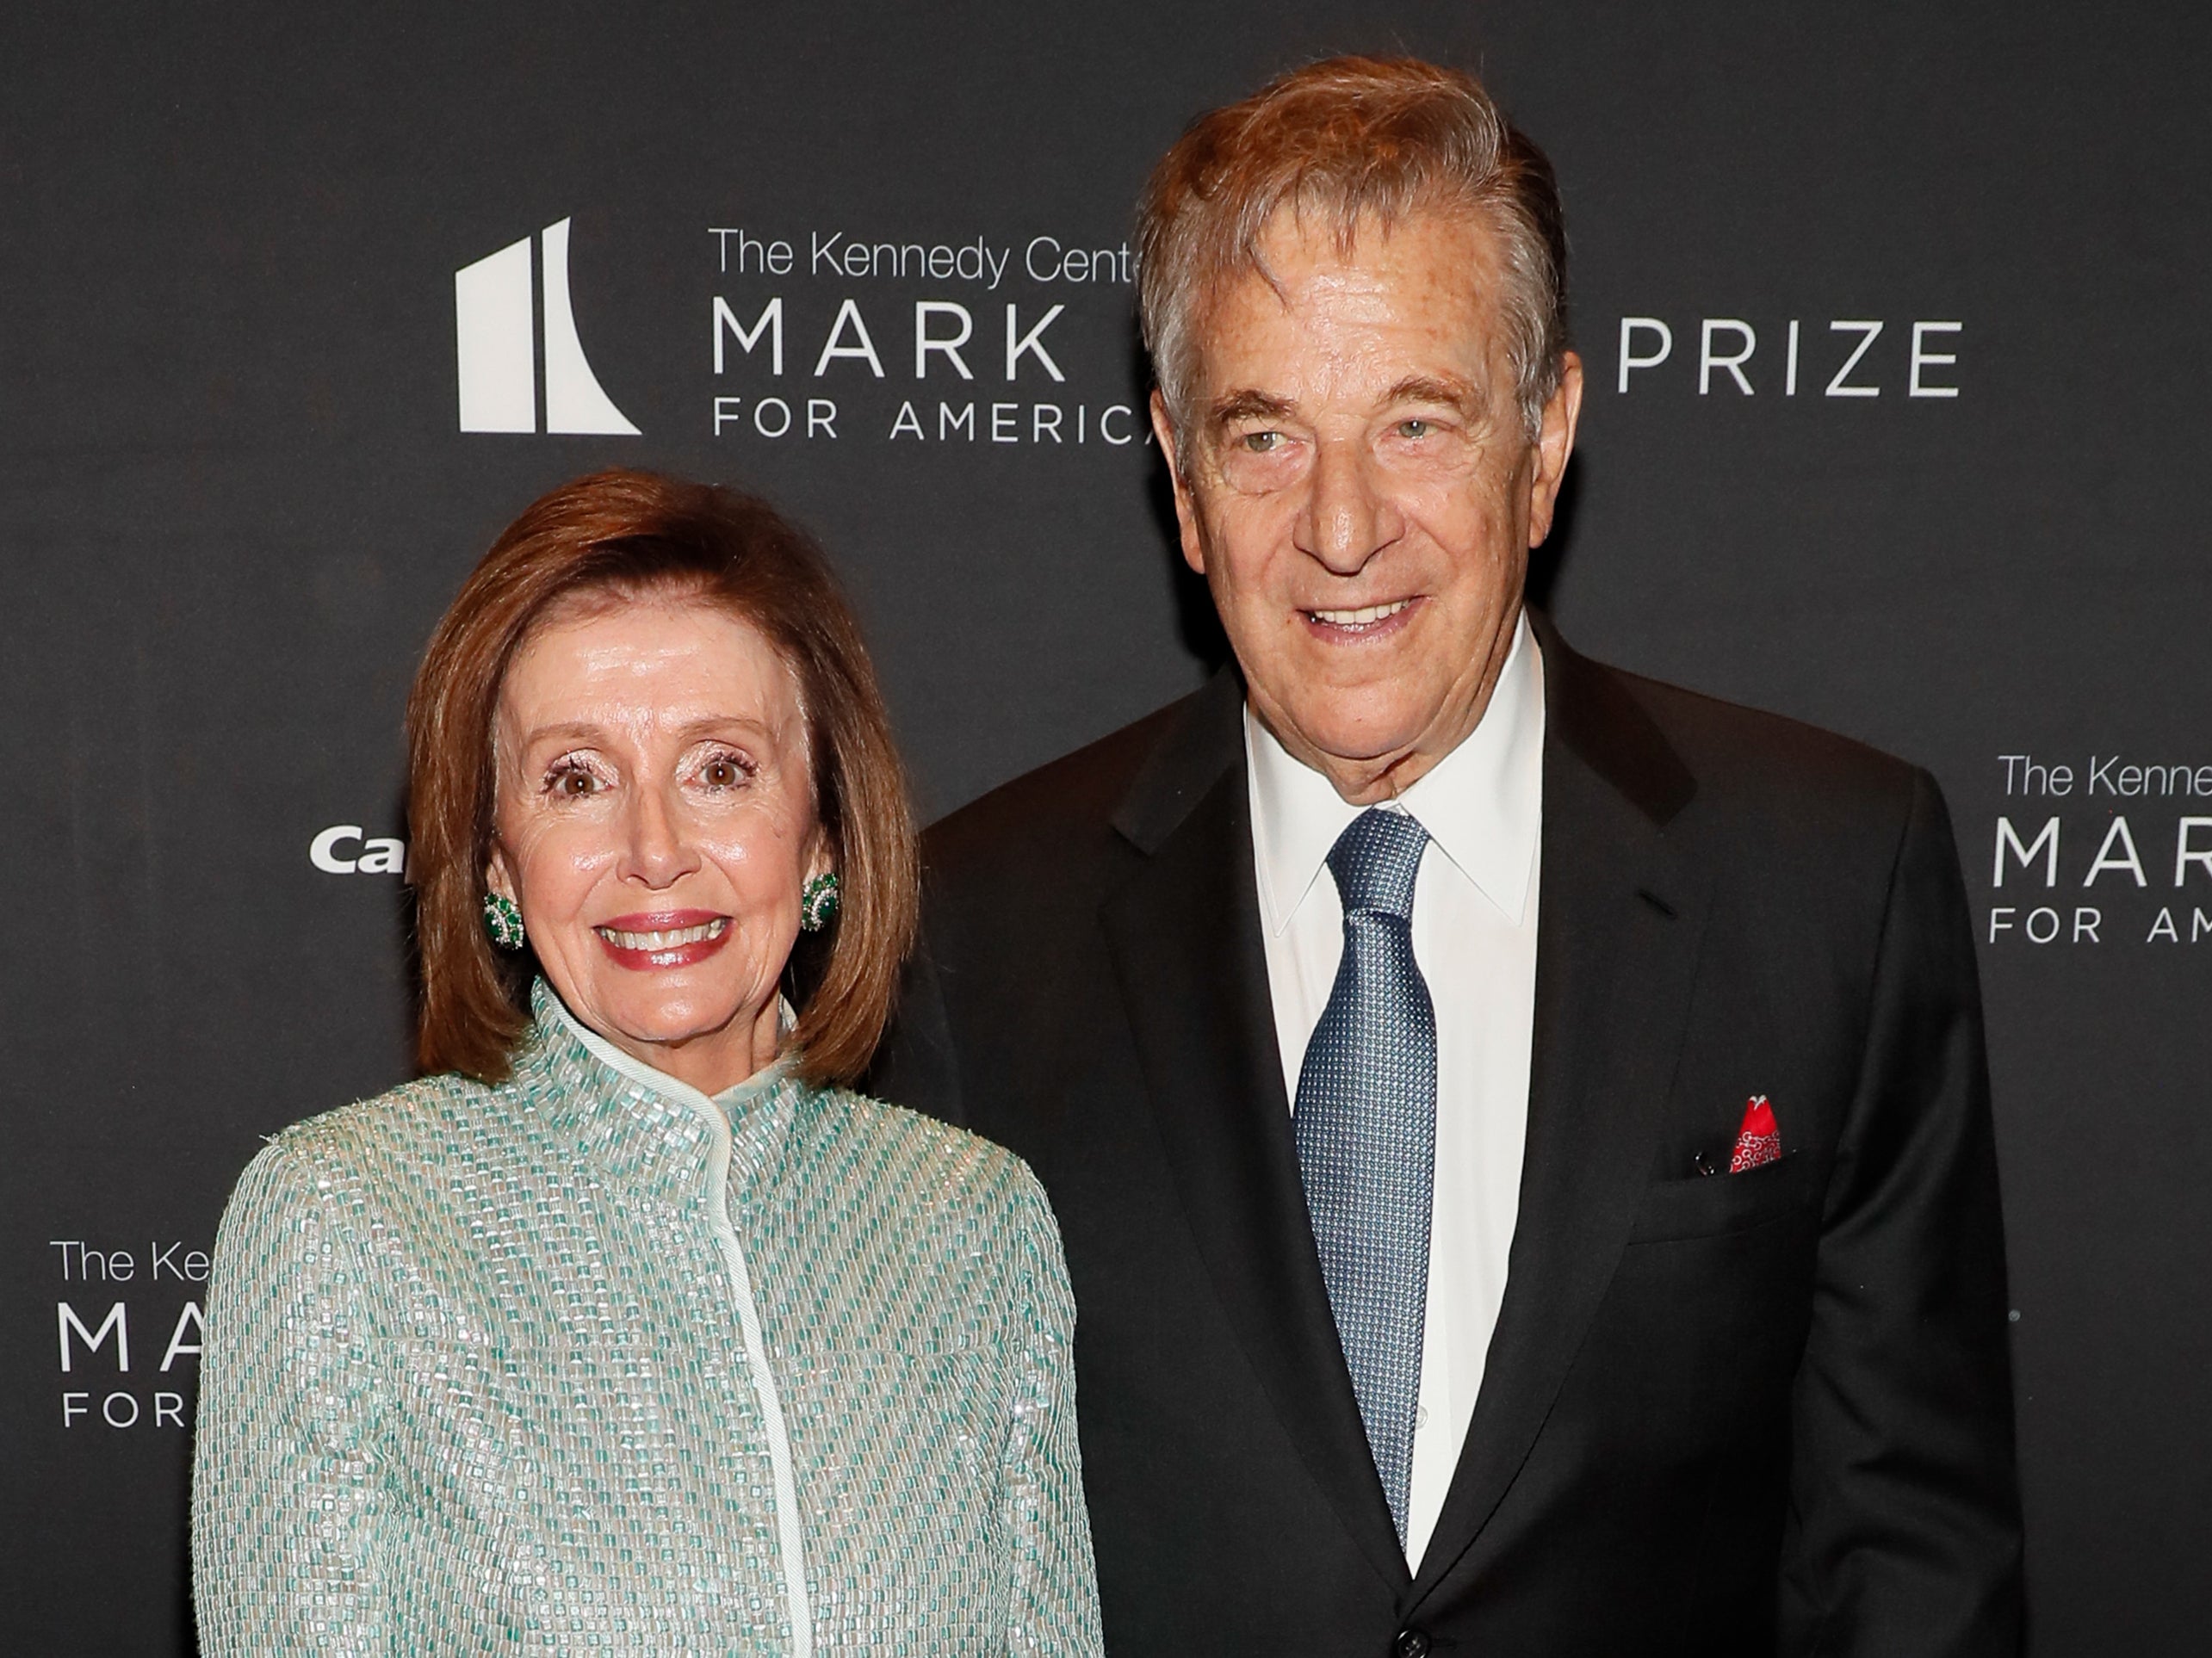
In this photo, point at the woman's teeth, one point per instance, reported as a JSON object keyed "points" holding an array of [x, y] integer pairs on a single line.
{"points": [[1360, 618], [652, 941]]}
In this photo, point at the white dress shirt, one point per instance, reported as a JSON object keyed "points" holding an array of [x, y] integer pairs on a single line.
{"points": [[1474, 939]]}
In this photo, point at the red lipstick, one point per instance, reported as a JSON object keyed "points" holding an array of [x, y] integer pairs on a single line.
{"points": [[654, 941]]}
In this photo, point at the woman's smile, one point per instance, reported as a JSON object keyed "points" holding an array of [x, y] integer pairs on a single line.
{"points": [[665, 938]]}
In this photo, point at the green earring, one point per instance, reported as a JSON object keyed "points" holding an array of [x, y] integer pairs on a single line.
{"points": [[504, 922], [818, 902]]}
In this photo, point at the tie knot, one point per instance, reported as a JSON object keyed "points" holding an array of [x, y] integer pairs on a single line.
{"points": [[1375, 861]]}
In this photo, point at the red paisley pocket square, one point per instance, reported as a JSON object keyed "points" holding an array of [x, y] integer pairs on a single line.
{"points": [[1759, 1141]]}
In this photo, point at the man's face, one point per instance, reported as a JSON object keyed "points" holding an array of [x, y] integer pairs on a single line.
{"points": [[1361, 494]]}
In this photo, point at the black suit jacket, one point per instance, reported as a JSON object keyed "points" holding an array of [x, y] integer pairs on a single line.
{"points": [[1755, 1413]]}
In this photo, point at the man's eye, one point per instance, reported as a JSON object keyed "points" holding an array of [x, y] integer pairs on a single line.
{"points": [[1262, 443], [1415, 428]]}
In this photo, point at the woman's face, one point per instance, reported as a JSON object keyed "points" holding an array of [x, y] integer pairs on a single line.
{"points": [[655, 822]]}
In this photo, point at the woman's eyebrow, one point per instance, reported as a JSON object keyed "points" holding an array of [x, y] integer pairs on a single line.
{"points": [[714, 722], [572, 731], [567, 731]]}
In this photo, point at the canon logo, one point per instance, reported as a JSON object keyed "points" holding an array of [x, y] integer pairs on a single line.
{"points": [[342, 850]]}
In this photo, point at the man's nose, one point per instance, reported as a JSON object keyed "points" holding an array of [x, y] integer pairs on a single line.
{"points": [[1347, 519], [658, 852]]}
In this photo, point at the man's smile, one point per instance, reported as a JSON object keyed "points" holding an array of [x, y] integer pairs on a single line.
{"points": [[1363, 621]]}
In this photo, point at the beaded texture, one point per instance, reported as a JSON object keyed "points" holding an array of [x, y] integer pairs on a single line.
{"points": [[476, 1379]]}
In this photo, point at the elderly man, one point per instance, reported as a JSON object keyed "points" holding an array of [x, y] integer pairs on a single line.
{"points": [[1521, 1131]]}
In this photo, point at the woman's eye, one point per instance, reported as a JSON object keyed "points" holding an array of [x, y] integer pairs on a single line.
{"points": [[721, 773], [575, 784]]}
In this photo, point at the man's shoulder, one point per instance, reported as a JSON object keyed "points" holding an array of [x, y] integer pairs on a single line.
{"points": [[1056, 809], [1747, 766], [1749, 763]]}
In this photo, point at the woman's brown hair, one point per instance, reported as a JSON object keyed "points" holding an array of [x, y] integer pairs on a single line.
{"points": [[624, 534]]}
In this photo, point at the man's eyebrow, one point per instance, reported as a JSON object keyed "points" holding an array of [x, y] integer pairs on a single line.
{"points": [[1248, 405], [1426, 388]]}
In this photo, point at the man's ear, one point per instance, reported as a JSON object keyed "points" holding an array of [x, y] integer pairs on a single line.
{"points": [[1555, 442], [1186, 515]]}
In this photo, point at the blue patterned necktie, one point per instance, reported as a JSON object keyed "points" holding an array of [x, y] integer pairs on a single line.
{"points": [[1366, 1137]]}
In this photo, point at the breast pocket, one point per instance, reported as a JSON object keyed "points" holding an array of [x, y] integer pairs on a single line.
{"points": [[1713, 1205], [1704, 1323]]}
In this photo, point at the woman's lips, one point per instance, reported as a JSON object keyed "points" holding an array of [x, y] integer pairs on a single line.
{"points": [[672, 938]]}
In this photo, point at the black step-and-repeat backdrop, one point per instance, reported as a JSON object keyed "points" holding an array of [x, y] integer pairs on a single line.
{"points": [[1897, 336]]}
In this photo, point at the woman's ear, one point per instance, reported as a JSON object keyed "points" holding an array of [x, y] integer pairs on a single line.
{"points": [[822, 856], [498, 878]]}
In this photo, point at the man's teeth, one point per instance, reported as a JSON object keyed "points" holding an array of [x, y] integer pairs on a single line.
{"points": [[680, 936], [1360, 618]]}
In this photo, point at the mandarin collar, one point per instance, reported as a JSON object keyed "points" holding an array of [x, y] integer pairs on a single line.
{"points": [[638, 1122]]}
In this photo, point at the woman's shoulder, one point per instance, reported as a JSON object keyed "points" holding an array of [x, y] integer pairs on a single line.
{"points": [[335, 1156], [950, 1162], [400, 1122], [952, 1196]]}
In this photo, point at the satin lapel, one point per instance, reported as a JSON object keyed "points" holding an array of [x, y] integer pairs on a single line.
{"points": [[1185, 934], [1622, 914]]}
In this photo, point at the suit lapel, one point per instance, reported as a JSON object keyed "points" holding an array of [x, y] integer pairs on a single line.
{"points": [[1185, 934], [1620, 917]]}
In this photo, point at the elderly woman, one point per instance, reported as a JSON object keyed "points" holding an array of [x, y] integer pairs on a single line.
{"points": [[631, 1327]]}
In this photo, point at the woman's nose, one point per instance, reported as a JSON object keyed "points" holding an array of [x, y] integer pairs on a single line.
{"points": [[659, 852]]}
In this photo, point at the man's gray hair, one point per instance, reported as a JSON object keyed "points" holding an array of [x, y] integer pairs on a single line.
{"points": [[1350, 139]]}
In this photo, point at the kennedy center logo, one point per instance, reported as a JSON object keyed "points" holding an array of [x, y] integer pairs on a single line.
{"points": [[496, 346]]}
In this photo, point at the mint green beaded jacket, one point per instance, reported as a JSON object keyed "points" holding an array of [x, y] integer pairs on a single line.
{"points": [[589, 1361]]}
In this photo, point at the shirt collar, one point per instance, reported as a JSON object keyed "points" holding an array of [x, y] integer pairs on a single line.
{"points": [[1482, 803]]}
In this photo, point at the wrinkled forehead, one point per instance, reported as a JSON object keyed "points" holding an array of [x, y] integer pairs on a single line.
{"points": [[1437, 273], [679, 640]]}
